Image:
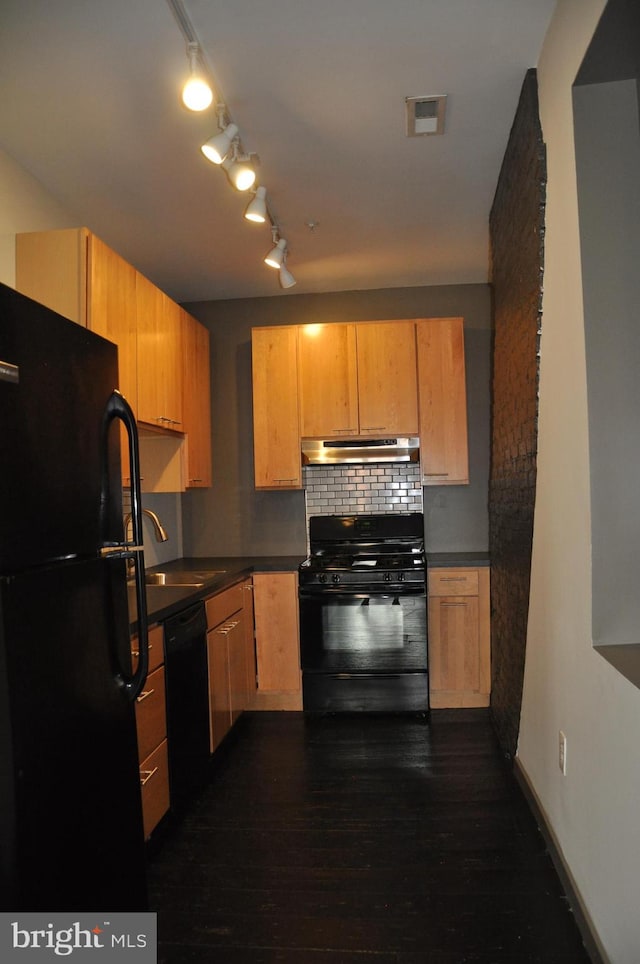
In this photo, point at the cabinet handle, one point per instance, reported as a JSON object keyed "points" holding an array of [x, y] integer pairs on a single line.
{"points": [[145, 775], [195, 480], [452, 605], [136, 652], [453, 578], [285, 480], [144, 695], [434, 474], [374, 428]]}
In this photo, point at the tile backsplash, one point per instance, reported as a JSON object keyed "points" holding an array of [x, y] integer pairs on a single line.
{"points": [[375, 487]]}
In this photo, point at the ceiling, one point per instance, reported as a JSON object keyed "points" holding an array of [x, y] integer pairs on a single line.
{"points": [[90, 106]]}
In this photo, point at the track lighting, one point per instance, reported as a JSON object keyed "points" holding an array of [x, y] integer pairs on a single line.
{"points": [[256, 209], [276, 256], [196, 93], [218, 146]]}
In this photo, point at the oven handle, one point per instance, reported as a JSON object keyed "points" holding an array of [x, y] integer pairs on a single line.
{"points": [[319, 593]]}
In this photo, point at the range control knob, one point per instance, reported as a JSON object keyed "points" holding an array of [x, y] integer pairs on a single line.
{"points": [[387, 577], [335, 577], [400, 577], [322, 577]]}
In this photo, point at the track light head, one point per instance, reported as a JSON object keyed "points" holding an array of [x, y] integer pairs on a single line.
{"points": [[256, 209], [286, 278], [218, 146], [276, 257], [242, 173], [196, 93]]}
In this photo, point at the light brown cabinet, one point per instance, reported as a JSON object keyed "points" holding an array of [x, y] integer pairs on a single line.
{"points": [[459, 637], [227, 656], [196, 401], [151, 724], [275, 603], [444, 454], [76, 274], [276, 431], [358, 379]]}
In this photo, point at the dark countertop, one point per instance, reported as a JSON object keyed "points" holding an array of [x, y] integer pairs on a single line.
{"points": [[166, 601], [442, 560]]}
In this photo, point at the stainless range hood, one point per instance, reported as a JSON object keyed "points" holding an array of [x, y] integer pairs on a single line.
{"points": [[339, 451]]}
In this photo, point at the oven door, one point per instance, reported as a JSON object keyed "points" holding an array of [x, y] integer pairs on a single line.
{"points": [[343, 632]]}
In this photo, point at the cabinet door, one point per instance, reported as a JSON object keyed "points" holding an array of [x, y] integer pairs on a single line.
{"points": [[328, 380], [237, 668], [275, 602], [170, 363], [459, 638], [51, 267], [442, 401], [196, 402], [219, 702], [276, 434], [149, 308], [387, 377], [249, 643]]}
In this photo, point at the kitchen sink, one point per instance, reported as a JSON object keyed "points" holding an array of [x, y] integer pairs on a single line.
{"points": [[183, 577]]}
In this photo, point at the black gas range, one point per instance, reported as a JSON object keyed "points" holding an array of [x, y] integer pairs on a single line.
{"points": [[363, 614]]}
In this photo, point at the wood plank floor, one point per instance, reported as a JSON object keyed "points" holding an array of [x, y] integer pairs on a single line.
{"points": [[338, 840]]}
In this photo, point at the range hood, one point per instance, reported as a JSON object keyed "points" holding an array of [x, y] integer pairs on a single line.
{"points": [[343, 451]]}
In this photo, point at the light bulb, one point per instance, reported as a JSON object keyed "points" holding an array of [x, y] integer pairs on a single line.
{"points": [[257, 208], [217, 147], [242, 175], [196, 94]]}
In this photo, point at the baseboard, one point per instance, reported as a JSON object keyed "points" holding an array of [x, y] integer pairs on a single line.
{"points": [[592, 943]]}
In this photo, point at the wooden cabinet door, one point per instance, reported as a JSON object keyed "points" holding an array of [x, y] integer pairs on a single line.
{"points": [[111, 312], [328, 380], [276, 433], [249, 643], [148, 322], [275, 602], [51, 267], [459, 638], [442, 401], [170, 363], [219, 697], [387, 378], [196, 401], [237, 667]]}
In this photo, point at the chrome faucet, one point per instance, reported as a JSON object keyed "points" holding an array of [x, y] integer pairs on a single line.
{"points": [[160, 531]]}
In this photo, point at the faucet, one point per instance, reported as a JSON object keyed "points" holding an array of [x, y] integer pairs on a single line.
{"points": [[159, 529]]}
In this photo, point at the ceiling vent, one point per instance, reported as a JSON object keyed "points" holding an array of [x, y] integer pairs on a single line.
{"points": [[425, 115]]}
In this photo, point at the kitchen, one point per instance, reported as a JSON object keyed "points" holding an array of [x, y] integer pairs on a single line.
{"points": [[606, 825]]}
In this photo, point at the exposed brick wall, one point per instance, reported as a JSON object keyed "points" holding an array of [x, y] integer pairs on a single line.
{"points": [[517, 238]]}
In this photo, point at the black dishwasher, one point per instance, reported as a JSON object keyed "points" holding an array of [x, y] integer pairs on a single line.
{"points": [[187, 684]]}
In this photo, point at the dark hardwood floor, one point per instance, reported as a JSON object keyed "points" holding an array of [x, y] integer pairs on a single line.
{"points": [[358, 840]]}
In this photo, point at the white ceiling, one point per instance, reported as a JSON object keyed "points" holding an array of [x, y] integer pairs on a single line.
{"points": [[90, 106]]}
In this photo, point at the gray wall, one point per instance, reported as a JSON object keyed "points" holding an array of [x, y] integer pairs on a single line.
{"points": [[232, 518]]}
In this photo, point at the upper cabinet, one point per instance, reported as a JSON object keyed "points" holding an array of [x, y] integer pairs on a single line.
{"points": [[159, 325], [196, 403], [276, 430], [444, 456], [387, 378], [358, 379], [363, 379], [328, 377], [76, 274]]}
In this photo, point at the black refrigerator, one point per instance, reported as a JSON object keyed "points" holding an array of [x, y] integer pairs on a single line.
{"points": [[71, 836]]}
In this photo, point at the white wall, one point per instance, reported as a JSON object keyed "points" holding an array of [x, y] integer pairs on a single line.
{"points": [[26, 206], [593, 810]]}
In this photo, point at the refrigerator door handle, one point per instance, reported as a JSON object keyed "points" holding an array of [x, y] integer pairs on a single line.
{"points": [[119, 408]]}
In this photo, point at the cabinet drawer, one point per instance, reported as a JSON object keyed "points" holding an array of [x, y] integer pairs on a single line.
{"points": [[156, 648], [151, 715], [223, 605], [154, 783], [453, 582]]}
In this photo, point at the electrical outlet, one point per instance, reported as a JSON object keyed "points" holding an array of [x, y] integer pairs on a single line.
{"points": [[562, 752]]}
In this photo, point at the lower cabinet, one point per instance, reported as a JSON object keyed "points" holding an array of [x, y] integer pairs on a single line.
{"points": [[459, 637], [227, 654], [276, 615], [151, 724]]}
